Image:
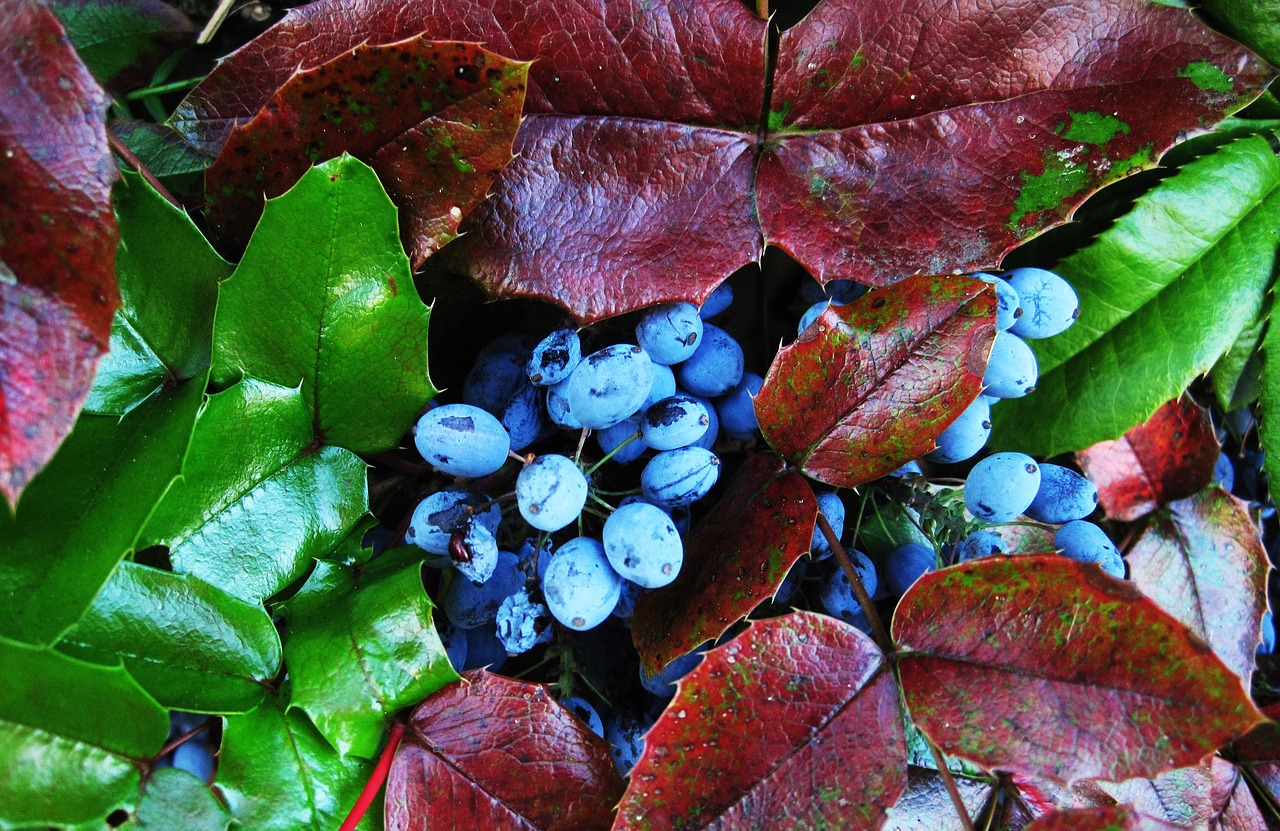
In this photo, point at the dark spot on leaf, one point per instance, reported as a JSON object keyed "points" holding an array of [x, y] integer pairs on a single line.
{"points": [[467, 72]]}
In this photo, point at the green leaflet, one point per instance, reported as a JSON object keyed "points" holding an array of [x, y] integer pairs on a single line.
{"points": [[174, 800], [1255, 23], [1237, 376], [191, 645], [259, 499], [361, 645], [84, 512], [168, 287], [324, 296], [112, 36], [71, 735], [1163, 293], [1269, 404], [278, 773]]}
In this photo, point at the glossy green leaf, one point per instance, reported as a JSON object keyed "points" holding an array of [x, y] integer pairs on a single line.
{"points": [[1237, 376], [259, 499], [174, 800], [1163, 293], [1255, 23], [361, 645], [164, 150], [324, 295], [72, 737], [84, 512], [277, 773], [191, 645], [169, 279], [119, 39], [1269, 405]]}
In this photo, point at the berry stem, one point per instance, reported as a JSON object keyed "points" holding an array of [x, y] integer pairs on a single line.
{"points": [[949, 781], [613, 452], [582, 441], [379, 775], [878, 632]]}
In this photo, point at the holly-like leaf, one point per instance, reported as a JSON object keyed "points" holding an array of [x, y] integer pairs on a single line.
{"points": [[1237, 376], [1118, 818], [1167, 457], [868, 387], [191, 645], [277, 773], [644, 173], [161, 148], [1269, 406], [354, 331], [57, 239], [259, 498], [435, 120], [1043, 664], [1163, 293], [71, 737], [1255, 23], [174, 800], [1214, 795], [793, 723], [86, 509], [735, 559], [169, 285], [121, 40], [926, 805], [361, 645], [492, 752], [1201, 559]]}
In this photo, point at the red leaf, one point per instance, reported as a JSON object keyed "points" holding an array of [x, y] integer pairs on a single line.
{"points": [[926, 805], [734, 560], [1201, 559], [434, 119], [792, 724], [1259, 751], [892, 145], [1213, 795], [57, 239], [491, 752], [1169, 456], [1117, 818], [1048, 666], [869, 386]]}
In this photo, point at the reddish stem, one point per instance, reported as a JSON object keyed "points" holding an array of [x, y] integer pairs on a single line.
{"points": [[379, 776], [132, 159]]}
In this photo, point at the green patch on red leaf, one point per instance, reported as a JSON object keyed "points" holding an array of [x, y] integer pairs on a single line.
{"points": [[1167, 457], [492, 752], [57, 239], [735, 558], [643, 173], [868, 386], [434, 119], [794, 723], [1201, 559], [1048, 666]]}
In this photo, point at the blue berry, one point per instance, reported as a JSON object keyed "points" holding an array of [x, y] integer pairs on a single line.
{"points": [[675, 478], [557, 403], [980, 544], [836, 593], [554, 358], [613, 438], [462, 440], [716, 365], [670, 333], [440, 514], [708, 440], [494, 378], [1063, 495], [837, 291], [1012, 371], [965, 436], [716, 302], [480, 550], [1224, 472], [522, 415], [1001, 486], [580, 586], [737, 408], [627, 601], [1049, 304], [469, 604], [1087, 543], [484, 649], [585, 713], [625, 733], [642, 545], [1268, 644], [1008, 306], [663, 685], [811, 314], [551, 492], [787, 588], [832, 506], [907, 564], [454, 641], [609, 385], [664, 386], [522, 624], [674, 422]]}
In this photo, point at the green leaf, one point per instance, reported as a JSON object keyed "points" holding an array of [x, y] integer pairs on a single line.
{"points": [[164, 150], [112, 36], [361, 645], [259, 498], [324, 295], [1269, 405], [168, 286], [84, 512], [71, 737], [174, 800], [278, 773], [1163, 293], [1255, 23], [1237, 376], [191, 645]]}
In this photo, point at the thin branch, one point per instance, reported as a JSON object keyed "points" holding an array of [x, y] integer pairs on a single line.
{"points": [[128, 155], [878, 632], [215, 22], [379, 776], [174, 744], [949, 781]]}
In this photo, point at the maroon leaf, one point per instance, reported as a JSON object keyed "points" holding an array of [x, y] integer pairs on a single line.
{"points": [[926, 805], [57, 239], [1259, 751], [1214, 795], [792, 724], [892, 144], [734, 560], [1049, 666], [1201, 559], [1116, 818], [1169, 456], [869, 386], [434, 119], [491, 752]]}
